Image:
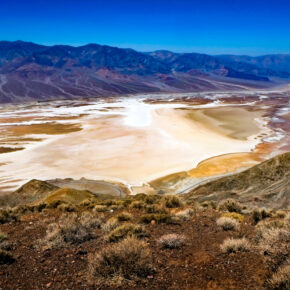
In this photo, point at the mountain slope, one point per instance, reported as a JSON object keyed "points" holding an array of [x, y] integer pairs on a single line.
{"points": [[267, 183], [30, 71]]}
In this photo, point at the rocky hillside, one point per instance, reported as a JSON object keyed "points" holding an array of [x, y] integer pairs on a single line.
{"points": [[267, 183], [30, 71]]}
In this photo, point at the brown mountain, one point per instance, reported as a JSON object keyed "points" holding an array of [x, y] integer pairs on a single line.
{"points": [[30, 71]]}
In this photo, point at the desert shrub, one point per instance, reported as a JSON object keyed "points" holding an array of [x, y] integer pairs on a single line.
{"points": [[279, 214], [89, 220], [274, 244], [208, 204], [109, 202], [259, 214], [69, 229], [281, 279], [100, 208], [66, 207], [128, 260], [158, 218], [124, 216], [40, 207], [228, 224], [156, 208], [137, 204], [231, 245], [171, 201], [54, 204], [111, 224], [8, 215], [230, 205], [268, 224], [234, 215], [3, 237], [126, 230], [185, 214], [171, 241], [152, 198], [6, 257], [115, 207]]}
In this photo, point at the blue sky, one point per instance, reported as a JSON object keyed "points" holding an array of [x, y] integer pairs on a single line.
{"points": [[221, 26]]}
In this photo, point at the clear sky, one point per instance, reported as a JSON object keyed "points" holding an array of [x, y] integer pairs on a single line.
{"points": [[221, 26]]}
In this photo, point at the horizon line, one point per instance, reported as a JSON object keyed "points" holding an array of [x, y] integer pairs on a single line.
{"points": [[147, 51]]}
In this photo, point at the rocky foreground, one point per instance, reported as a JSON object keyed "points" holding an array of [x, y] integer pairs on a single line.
{"points": [[231, 233]]}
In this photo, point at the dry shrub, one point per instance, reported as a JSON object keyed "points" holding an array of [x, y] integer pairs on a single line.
{"points": [[5, 257], [274, 244], [234, 215], [230, 205], [124, 231], [70, 229], [279, 214], [54, 204], [228, 224], [124, 216], [208, 204], [100, 208], [259, 214], [3, 237], [156, 208], [171, 241], [281, 279], [232, 245], [158, 218], [185, 214], [66, 207], [8, 215], [171, 201], [128, 260], [137, 204], [111, 224]]}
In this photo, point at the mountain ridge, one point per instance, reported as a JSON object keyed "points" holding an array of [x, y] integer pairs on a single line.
{"points": [[30, 71]]}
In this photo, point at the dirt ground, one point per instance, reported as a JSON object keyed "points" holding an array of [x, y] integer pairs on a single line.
{"points": [[199, 264]]}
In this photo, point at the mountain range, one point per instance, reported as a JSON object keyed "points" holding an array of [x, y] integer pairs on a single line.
{"points": [[30, 71]]}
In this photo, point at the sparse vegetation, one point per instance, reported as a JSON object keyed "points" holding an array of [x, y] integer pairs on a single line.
{"points": [[208, 204], [158, 218], [228, 224], [128, 260], [69, 229], [6, 257], [231, 245], [171, 241], [259, 214], [280, 280], [185, 214], [171, 201], [124, 216], [111, 224], [3, 237], [234, 215], [230, 205], [126, 230]]}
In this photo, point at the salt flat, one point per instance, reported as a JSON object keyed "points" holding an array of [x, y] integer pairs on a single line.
{"points": [[129, 140]]}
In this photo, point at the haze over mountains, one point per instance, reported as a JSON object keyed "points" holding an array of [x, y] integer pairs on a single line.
{"points": [[30, 71]]}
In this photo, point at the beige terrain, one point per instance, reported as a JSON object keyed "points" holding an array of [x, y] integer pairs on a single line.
{"points": [[130, 141]]}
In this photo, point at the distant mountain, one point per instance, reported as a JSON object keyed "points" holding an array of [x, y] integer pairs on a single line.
{"points": [[30, 71]]}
